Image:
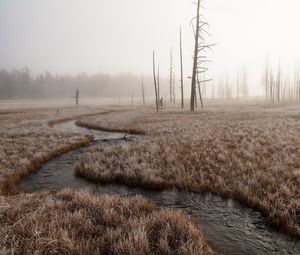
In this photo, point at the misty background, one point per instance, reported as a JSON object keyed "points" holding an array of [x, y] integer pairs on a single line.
{"points": [[49, 48]]}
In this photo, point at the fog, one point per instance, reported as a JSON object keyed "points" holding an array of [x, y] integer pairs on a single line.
{"points": [[70, 37]]}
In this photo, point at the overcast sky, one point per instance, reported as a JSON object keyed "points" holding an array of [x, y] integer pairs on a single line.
{"points": [[72, 36]]}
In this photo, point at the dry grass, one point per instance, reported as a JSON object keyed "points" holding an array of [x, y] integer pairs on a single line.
{"points": [[250, 153], [26, 141], [121, 121], [78, 223]]}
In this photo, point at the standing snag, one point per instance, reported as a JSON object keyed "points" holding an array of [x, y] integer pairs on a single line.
{"points": [[200, 48], [143, 91], [181, 72], [155, 84], [77, 97], [171, 76]]}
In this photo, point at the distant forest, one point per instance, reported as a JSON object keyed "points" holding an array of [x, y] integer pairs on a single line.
{"points": [[20, 84]]}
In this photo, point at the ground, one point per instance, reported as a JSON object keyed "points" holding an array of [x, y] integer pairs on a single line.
{"points": [[76, 222], [248, 152], [71, 222]]}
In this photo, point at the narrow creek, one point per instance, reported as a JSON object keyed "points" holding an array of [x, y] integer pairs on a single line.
{"points": [[228, 225]]}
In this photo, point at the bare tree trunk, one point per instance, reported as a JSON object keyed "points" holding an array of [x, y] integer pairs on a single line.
{"points": [[174, 91], [298, 84], [195, 64], [196, 102], [278, 83], [238, 83], [220, 88], [199, 90], [77, 97], [272, 89], [286, 82], [198, 59], [171, 75], [181, 72], [267, 80], [155, 86], [245, 82], [143, 91], [227, 87], [158, 87]]}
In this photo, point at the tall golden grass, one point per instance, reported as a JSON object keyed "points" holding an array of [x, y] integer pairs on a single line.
{"points": [[250, 153], [71, 222]]}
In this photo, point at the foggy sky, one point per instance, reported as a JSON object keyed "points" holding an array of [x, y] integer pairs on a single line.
{"points": [[74, 36]]}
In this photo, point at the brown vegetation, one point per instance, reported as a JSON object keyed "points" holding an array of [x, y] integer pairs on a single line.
{"points": [[76, 222], [120, 121], [26, 142], [248, 153], [71, 222]]}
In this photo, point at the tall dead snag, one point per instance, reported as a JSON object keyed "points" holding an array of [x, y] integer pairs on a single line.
{"points": [[143, 90], [77, 97], [158, 87], [174, 86], [171, 76], [267, 89], [238, 83], [245, 82], [199, 90], [278, 83], [200, 48], [155, 85], [181, 72]]}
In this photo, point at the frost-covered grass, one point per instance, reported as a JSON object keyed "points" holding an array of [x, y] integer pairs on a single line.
{"points": [[250, 153], [120, 121], [71, 222], [26, 141]]}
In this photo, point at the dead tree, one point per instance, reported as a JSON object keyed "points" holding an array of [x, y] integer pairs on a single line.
{"points": [[245, 82], [199, 90], [171, 76], [77, 96], [278, 83], [199, 48], [181, 72], [143, 90], [158, 86], [238, 83], [272, 88], [267, 89], [155, 85], [174, 91]]}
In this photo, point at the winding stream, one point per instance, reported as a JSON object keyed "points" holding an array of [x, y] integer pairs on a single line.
{"points": [[229, 226]]}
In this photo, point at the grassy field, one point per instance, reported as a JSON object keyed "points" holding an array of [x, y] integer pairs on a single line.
{"points": [[70, 222], [248, 152], [26, 141]]}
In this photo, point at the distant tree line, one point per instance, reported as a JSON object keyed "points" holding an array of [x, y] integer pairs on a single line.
{"points": [[21, 84]]}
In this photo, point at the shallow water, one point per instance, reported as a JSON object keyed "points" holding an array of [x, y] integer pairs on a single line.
{"points": [[227, 224]]}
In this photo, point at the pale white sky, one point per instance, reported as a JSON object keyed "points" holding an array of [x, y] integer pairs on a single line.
{"points": [[72, 36]]}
